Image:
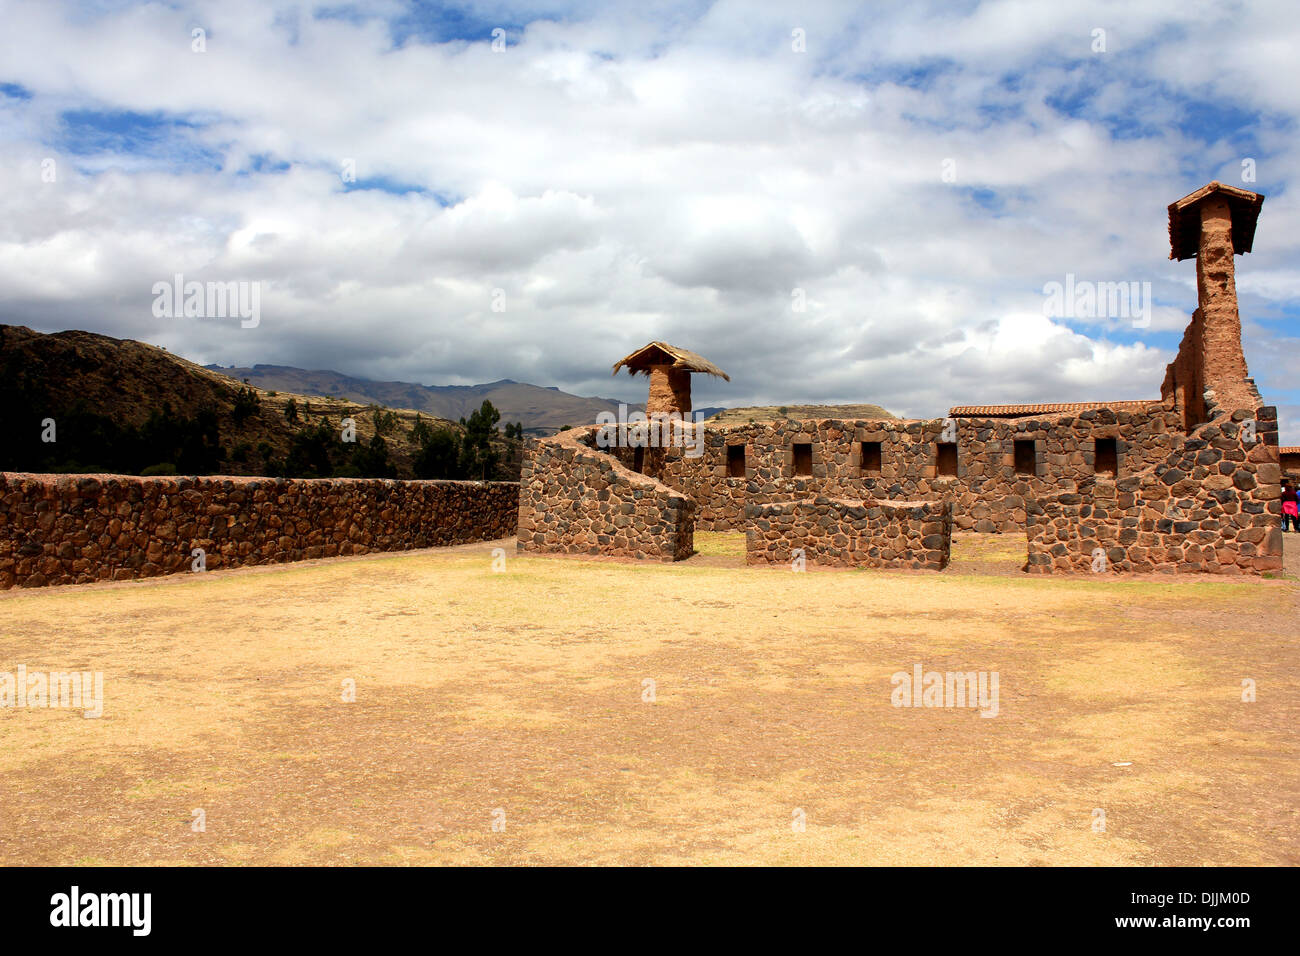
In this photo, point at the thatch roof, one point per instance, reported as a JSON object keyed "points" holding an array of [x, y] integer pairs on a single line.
{"points": [[1185, 219], [661, 353]]}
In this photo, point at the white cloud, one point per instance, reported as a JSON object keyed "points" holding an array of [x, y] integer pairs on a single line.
{"points": [[633, 174]]}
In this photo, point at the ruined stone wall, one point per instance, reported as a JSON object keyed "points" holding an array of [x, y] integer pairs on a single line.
{"points": [[988, 494], [1184, 383], [576, 499], [73, 529], [839, 532], [1212, 506]]}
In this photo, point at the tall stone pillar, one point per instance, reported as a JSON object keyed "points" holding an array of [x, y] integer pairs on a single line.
{"points": [[670, 390], [1216, 288]]}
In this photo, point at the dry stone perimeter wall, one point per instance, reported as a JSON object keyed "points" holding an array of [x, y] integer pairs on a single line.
{"points": [[835, 531], [577, 499], [1212, 506], [73, 529]]}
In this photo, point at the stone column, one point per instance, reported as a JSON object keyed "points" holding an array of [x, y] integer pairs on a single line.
{"points": [[1216, 288], [670, 390]]}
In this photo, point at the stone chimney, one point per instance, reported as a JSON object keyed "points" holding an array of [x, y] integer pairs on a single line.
{"points": [[669, 369], [670, 390], [1213, 224]]}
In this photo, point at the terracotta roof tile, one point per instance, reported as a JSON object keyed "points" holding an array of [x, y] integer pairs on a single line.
{"points": [[1021, 411]]}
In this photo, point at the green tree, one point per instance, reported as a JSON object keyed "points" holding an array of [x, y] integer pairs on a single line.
{"points": [[420, 432], [291, 412], [384, 419], [368, 461], [439, 455], [478, 457], [246, 403], [309, 453]]}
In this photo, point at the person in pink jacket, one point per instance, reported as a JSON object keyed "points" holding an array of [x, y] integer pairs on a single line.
{"points": [[1290, 505]]}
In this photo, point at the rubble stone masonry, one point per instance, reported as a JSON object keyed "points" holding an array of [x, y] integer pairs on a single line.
{"points": [[988, 493], [577, 499], [1212, 506], [839, 532], [73, 529]]}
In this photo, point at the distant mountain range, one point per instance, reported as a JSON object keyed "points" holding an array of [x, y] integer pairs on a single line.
{"points": [[542, 410]]}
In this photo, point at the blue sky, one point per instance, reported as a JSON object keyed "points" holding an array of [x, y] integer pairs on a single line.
{"points": [[611, 174]]}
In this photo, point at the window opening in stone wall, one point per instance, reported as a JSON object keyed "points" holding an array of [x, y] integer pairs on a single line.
{"points": [[1106, 456], [870, 458], [946, 460], [803, 459], [735, 461], [1026, 457]]}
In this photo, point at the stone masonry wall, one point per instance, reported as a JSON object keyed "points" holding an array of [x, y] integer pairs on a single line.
{"points": [[73, 529], [840, 532], [988, 494], [576, 499], [1212, 506]]}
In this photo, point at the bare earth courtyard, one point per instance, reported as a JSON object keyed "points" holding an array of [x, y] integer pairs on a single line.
{"points": [[523, 691]]}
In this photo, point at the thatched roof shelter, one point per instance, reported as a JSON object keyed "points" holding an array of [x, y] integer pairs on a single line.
{"points": [[661, 353], [1185, 219]]}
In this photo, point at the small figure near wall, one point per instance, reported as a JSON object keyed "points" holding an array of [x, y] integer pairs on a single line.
{"points": [[1290, 507]]}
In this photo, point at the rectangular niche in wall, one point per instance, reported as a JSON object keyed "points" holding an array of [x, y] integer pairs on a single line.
{"points": [[1026, 457], [946, 460], [638, 459], [735, 461], [1106, 456], [803, 459], [870, 461]]}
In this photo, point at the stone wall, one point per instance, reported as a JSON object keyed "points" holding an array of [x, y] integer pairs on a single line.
{"points": [[577, 499], [1201, 502], [73, 529], [1211, 506], [988, 493], [839, 532]]}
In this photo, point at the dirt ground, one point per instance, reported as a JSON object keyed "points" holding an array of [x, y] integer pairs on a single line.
{"points": [[506, 717]]}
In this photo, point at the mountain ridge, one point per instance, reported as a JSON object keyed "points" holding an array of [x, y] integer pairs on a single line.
{"points": [[542, 409]]}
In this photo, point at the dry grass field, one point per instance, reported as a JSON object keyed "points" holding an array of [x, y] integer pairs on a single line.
{"points": [[522, 692]]}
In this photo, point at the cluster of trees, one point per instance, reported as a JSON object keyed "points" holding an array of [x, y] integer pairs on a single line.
{"points": [[446, 453], [316, 451], [319, 452]]}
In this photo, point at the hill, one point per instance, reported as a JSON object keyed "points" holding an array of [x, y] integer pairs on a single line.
{"points": [[118, 405], [541, 410]]}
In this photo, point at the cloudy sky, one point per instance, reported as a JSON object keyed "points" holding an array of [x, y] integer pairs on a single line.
{"points": [[459, 193]]}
